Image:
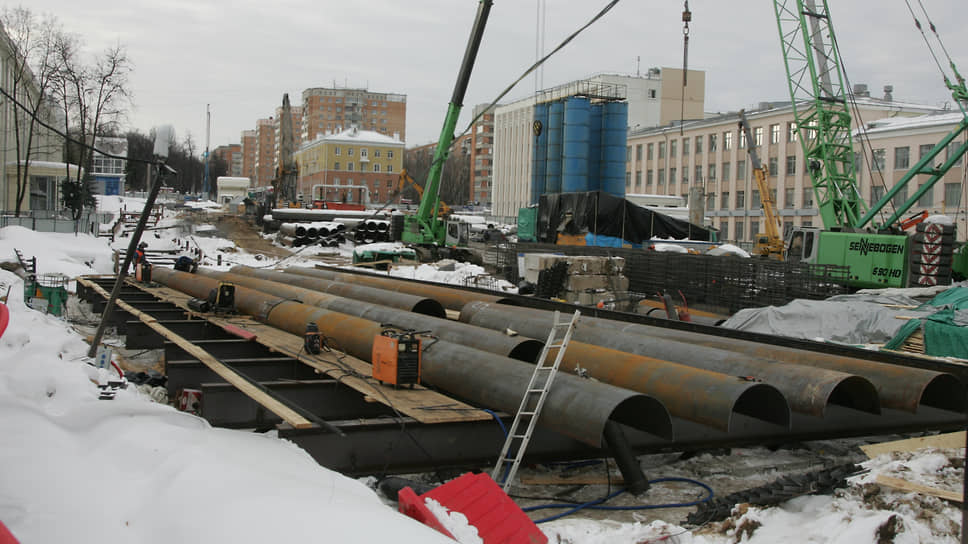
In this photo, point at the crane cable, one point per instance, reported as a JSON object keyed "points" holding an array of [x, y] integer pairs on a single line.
{"points": [[934, 29]]}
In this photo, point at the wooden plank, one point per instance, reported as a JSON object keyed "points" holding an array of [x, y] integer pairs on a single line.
{"points": [[286, 413], [940, 441], [904, 485], [420, 403], [578, 479]]}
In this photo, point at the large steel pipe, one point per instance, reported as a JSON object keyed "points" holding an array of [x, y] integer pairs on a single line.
{"points": [[808, 390], [898, 387], [515, 347], [452, 299], [294, 230], [574, 407], [722, 394], [403, 301]]}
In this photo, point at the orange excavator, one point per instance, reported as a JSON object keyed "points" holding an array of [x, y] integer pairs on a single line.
{"points": [[405, 180]]}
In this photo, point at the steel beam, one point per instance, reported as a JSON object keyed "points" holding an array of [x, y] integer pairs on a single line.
{"points": [[191, 374], [140, 336]]}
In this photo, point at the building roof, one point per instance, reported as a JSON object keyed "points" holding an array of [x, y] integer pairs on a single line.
{"points": [[922, 121], [356, 136]]}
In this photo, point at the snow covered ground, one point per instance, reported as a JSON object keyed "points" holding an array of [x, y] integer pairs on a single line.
{"points": [[77, 469]]}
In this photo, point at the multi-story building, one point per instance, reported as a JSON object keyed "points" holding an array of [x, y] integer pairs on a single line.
{"points": [[250, 149], [330, 110], [654, 99], [265, 152], [712, 154], [108, 171], [482, 155], [338, 167], [232, 156]]}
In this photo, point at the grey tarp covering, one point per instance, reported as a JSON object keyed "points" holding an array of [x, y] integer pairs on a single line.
{"points": [[847, 320]]}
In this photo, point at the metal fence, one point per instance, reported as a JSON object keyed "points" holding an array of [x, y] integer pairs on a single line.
{"points": [[727, 282], [50, 221]]}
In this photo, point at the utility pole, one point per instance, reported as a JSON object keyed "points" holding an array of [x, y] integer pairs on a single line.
{"points": [[206, 189]]}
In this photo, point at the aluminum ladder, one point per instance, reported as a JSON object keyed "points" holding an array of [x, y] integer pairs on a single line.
{"points": [[533, 400]]}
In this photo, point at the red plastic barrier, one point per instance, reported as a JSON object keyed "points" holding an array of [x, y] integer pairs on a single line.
{"points": [[497, 518], [4, 317], [6, 537]]}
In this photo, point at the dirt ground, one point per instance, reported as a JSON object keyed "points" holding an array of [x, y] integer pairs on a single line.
{"points": [[246, 235]]}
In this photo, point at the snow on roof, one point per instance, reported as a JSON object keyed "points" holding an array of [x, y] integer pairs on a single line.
{"points": [[920, 121], [363, 137]]}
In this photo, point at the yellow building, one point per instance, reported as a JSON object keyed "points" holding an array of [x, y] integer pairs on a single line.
{"points": [[339, 167]]}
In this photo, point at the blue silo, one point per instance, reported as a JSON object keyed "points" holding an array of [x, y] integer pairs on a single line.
{"points": [[539, 156], [615, 121], [553, 160], [575, 134], [595, 148]]}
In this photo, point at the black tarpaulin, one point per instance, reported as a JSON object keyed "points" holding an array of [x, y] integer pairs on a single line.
{"points": [[602, 214]]}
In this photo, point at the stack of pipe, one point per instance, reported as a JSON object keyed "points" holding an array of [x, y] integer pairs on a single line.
{"points": [[330, 233], [293, 235], [373, 230]]}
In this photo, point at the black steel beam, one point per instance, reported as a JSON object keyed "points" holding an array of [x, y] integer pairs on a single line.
{"points": [[191, 374], [141, 336], [225, 348]]}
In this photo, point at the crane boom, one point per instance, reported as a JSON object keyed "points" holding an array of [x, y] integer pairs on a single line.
{"points": [[773, 245]]}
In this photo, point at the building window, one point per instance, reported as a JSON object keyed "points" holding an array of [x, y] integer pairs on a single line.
{"points": [[376, 153], [902, 157], [740, 200], [364, 153], [952, 195], [673, 146], [739, 230], [879, 159], [661, 150], [698, 176], [927, 198], [727, 141], [792, 134], [336, 165], [924, 149], [376, 167], [389, 155], [951, 150], [389, 168], [774, 166], [724, 200], [711, 175], [725, 171], [877, 193], [807, 198], [672, 176], [758, 136], [900, 197], [698, 144], [652, 93], [685, 146], [661, 180], [685, 175], [755, 202], [628, 180], [648, 178], [349, 167], [741, 170], [710, 201], [349, 150], [337, 151], [791, 165], [775, 134], [638, 178], [754, 227], [648, 152], [628, 154], [723, 230], [638, 152], [788, 197], [712, 143]]}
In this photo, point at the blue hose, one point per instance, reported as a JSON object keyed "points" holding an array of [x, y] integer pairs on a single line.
{"points": [[595, 505]]}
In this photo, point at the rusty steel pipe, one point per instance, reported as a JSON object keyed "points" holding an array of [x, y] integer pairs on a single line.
{"points": [[452, 299], [516, 347], [393, 299], [663, 380], [574, 407], [807, 390], [899, 387]]}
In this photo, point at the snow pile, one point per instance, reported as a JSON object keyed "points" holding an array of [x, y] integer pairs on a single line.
{"points": [[57, 252], [455, 523], [728, 249], [450, 272], [671, 248]]}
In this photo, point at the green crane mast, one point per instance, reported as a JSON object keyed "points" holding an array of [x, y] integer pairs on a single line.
{"points": [[425, 228], [820, 108]]}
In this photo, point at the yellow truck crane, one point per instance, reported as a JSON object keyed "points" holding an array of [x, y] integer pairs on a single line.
{"points": [[768, 244]]}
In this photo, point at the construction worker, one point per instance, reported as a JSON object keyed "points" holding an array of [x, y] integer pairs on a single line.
{"points": [[139, 254]]}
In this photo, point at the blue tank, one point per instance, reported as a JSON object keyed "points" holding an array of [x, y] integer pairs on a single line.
{"points": [[615, 122], [539, 156], [575, 134], [595, 148], [553, 161]]}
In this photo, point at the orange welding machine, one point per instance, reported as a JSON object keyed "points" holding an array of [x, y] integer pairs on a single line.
{"points": [[396, 357]]}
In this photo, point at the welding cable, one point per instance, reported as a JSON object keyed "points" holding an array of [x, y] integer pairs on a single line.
{"points": [[597, 503], [117, 368]]}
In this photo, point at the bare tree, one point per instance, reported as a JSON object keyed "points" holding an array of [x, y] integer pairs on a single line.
{"points": [[34, 66], [94, 100]]}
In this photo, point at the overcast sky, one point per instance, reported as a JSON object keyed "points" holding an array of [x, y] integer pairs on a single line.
{"points": [[240, 56]]}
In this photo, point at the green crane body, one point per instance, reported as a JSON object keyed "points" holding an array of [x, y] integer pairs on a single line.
{"points": [[821, 111], [425, 228]]}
